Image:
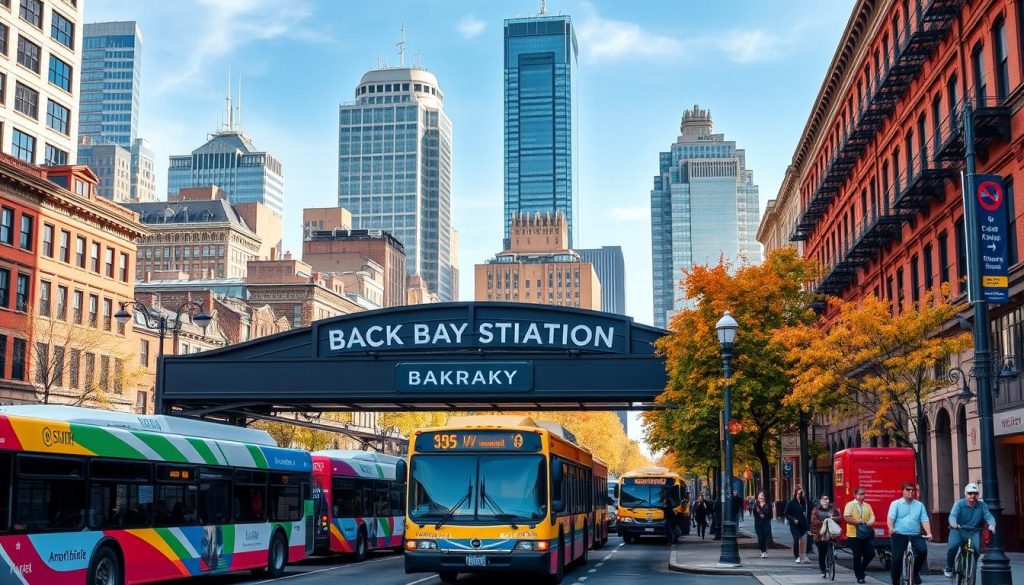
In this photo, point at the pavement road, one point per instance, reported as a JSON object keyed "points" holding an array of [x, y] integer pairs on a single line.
{"points": [[646, 562]]}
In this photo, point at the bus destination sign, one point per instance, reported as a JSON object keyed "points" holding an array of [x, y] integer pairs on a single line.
{"points": [[450, 441], [650, 480]]}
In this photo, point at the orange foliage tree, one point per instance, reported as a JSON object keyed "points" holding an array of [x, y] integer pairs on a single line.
{"points": [[762, 299], [875, 366]]}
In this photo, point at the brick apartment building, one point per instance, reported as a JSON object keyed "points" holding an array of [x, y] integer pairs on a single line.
{"points": [[874, 195]]}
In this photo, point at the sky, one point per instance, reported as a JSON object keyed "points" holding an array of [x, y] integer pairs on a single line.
{"points": [[758, 67]]}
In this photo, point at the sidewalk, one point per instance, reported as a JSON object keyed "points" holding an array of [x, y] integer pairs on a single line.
{"points": [[693, 555]]}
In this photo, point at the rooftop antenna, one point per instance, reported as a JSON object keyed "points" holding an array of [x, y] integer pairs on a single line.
{"points": [[380, 60], [401, 47], [230, 121], [416, 60], [238, 106], [543, 8]]}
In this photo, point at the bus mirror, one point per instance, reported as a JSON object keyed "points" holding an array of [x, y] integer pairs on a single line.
{"points": [[558, 506], [556, 472], [401, 470], [615, 491]]}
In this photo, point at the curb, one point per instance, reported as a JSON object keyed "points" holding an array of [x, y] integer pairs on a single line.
{"points": [[673, 565]]}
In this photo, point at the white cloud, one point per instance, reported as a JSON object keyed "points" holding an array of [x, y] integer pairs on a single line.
{"points": [[470, 26], [604, 38], [228, 24], [751, 46], [636, 213]]}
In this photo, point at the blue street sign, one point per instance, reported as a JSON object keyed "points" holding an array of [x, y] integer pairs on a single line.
{"points": [[464, 376], [990, 206], [787, 469]]}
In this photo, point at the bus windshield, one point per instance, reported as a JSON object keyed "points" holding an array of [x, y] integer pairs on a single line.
{"points": [[642, 493], [499, 487]]}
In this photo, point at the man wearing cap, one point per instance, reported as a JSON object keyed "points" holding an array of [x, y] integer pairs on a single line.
{"points": [[968, 515]]}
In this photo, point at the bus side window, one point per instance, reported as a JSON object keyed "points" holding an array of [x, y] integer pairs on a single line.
{"points": [[345, 498], [395, 494], [250, 496], [286, 496], [49, 493], [214, 496], [6, 475], [366, 498], [175, 499], [120, 493]]}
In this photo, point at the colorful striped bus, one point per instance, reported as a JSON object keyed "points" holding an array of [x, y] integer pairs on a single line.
{"points": [[106, 498], [360, 505], [600, 522], [498, 494]]}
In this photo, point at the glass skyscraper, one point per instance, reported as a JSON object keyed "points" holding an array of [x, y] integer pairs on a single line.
{"points": [[540, 80], [611, 271], [230, 161], [704, 205], [111, 67], [395, 169]]}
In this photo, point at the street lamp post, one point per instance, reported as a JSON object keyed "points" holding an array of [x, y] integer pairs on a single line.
{"points": [[159, 321], [730, 555]]}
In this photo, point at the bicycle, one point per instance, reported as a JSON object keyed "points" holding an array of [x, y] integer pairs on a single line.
{"points": [[907, 575], [830, 560], [965, 564]]}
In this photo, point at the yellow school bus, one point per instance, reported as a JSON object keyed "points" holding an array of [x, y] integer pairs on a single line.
{"points": [[641, 494], [497, 494]]}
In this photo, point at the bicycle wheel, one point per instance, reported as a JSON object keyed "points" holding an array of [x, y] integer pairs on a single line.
{"points": [[830, 562], [907, 576], [971, 569], [959, 567]]}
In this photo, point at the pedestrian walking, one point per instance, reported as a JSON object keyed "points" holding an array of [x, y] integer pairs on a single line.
{"points": [[860, 532], [668, 506], [797, 520], [762, 512], [701, 515], [823, 537]]}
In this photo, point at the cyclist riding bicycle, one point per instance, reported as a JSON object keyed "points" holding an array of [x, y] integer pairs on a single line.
{"points": [[908, 523], [966, 520]]}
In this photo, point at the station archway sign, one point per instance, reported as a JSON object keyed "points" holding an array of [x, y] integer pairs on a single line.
{"points": [[465, 356]]}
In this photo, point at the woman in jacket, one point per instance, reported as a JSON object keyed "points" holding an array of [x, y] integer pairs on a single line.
{"points": [[762, 512], [823, 511], [797, 520]]}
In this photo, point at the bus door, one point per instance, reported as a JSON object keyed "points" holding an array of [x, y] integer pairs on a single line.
{"points": [[310, 497]]}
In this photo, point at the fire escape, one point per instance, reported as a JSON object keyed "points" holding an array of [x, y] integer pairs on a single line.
{"points": [[884, 219]]}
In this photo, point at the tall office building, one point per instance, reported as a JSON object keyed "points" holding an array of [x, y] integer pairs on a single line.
{"points": [[540, 112], [611, 271], [230, 160], [39, 115], [394, 169], [704, 205], [143, 172], [111, 69]]}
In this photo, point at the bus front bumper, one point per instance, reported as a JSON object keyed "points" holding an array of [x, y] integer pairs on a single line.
{"points": [[656, 528], [436, 562]]}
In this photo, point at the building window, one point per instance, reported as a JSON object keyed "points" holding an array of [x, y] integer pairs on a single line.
{"points": [[3, 356], [25, 241], [32, 11], [18, 359], [915, 280], [44, 298], [108, 262], [58, 365], [48, 240], [108, 314], [144, 353], [1011, 239], [60, 74], [943, 258], [928, 266], [1002, 62], [62, 303], [951, 96], [74, 369], [124, 267], [7, 225], [23, 146], [76, 306], [26, 100], [57, 117], [5, 33], [65, 246], [94, 256], [28, 54], [21, 300], [54, 156], [42, 362], [961, 254], [90, 370], [62, 30], [5, 287], [94, 307], [978, 64], [80, 252]]}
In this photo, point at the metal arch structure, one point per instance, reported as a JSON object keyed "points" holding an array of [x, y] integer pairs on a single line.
{"points": [[465, 356]]}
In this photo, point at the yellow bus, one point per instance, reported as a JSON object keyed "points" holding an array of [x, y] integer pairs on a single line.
{"points": [[497, 494], [641, 494]]}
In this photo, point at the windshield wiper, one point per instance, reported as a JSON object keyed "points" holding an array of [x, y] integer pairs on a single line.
{"points": [[489, 501], [453, 509]]}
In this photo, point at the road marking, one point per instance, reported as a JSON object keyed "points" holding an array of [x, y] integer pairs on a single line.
{"points": [[581, 579], [422, 580], [599, 564], [607, 557], [592, 571], [324, 570]]}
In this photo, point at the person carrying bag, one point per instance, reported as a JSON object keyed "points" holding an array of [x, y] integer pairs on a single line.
{"points": [[860, 518]]}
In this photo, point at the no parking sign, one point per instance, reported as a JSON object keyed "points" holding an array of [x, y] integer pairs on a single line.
{"points": [[993, 237]]}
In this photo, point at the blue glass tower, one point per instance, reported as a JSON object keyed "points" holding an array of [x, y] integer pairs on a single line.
{"points": [[540, 77], [111, 66], [704, 206]]}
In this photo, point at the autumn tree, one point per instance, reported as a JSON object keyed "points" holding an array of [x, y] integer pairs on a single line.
{"points": [[762, 299], [299, 436], [875, 366]]}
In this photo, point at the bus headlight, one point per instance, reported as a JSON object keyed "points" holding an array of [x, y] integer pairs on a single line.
{"points": [[626, 519], [530, 545], [420, 545]]}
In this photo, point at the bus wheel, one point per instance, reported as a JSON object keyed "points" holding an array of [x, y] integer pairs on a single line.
{"points": [[360, 553], [560, 570], [448, 577], [586, 549], [277, 556], [105, 568]]}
